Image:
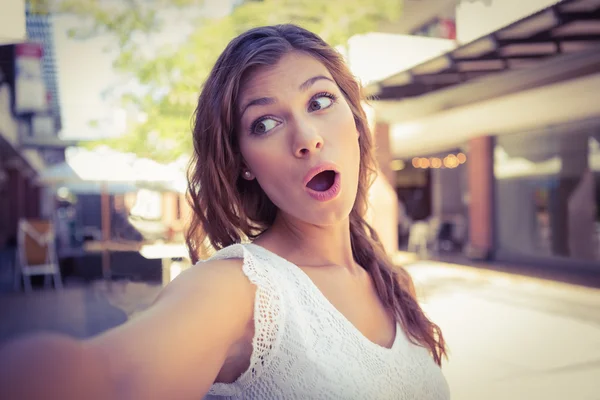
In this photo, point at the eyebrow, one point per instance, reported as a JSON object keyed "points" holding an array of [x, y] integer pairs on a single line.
{"points": [[265, 101], [309, 82]]}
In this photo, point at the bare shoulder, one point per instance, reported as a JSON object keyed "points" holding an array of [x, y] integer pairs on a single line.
{"points": [[211, 290], [223, 276]]}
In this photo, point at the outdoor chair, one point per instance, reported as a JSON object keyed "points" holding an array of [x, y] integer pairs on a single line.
{"points": [[36, 254]]}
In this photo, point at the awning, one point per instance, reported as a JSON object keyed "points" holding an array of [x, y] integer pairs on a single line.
{"points": [[28, 161], [570, 26]]}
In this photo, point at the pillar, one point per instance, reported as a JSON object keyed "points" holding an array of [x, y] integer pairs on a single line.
{"points": [[383, 201], [169, 214], [480, 176], [383, 153]]}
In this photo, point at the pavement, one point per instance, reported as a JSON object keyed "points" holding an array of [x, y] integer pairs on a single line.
{"points": [[509, 336], [80, 309]]}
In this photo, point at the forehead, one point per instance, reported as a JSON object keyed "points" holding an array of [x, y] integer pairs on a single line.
{"points": [[287, 75]]}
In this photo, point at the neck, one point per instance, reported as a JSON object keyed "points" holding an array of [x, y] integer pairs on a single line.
{"points": [[310, 245]]}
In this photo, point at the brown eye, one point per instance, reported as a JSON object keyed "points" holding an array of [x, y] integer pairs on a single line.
{"points": [[264, 125], [320, 103], [260, 128]]}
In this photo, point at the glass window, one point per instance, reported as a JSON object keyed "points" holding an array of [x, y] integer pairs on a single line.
{"points": [[548, 194]]}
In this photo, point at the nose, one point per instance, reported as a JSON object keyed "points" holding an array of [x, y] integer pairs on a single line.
{"points": [[307, 139]]}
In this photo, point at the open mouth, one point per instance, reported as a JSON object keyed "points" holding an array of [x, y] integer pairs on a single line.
{"points": [[322, 182]]}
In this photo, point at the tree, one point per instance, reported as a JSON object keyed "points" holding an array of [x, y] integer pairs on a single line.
{"points": [[172, 79]]}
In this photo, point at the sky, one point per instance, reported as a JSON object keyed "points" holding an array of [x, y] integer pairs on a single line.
{"points": [[88, 85], [84, 74]]}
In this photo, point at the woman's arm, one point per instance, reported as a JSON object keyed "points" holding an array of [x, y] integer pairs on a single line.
{"points": [[174, 350], [51, 366]]}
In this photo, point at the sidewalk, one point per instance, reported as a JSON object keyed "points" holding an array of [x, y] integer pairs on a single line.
{"points": [[81, 310], [511, 336]]}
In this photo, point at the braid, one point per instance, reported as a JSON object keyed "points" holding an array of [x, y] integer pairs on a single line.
{"points": [[394, 288]]}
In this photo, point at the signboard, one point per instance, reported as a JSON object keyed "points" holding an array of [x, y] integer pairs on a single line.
{"points": [[24, 99], [30, 90], [442, 28]]}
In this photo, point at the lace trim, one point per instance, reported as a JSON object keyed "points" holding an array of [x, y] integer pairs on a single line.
{"points": [[269, 320]]}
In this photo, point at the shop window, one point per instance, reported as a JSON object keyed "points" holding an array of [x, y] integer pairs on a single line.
{"points": [[548, 194]]}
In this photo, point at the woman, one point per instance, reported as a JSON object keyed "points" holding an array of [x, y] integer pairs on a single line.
{"points": [[312, 308]]}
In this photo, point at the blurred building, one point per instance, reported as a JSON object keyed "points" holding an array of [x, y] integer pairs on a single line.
{"points": [[12, 21], [500, 135], [29, 117], [40, 30], [434, 19]]}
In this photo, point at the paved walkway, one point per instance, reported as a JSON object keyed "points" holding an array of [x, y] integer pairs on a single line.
{"points": [[81, 310], [513, 337]]}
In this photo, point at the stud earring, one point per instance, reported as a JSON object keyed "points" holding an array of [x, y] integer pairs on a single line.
{"points": [[247, 175]]}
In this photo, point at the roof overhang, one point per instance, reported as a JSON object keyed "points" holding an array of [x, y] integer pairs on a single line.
{"points": [[569, 26], [46, 142], [558, 69], [527, 111]]}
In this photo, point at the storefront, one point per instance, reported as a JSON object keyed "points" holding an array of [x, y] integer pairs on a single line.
{"points": [[29, 124], [547, 195], [520, 105], [433, 188]]}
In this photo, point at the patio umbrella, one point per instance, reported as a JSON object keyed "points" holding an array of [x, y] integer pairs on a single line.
{"points": [[159, 177], [103, 173], [107, 172]]}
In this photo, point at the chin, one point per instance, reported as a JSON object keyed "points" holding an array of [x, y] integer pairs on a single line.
{"points": [[328, 216]]}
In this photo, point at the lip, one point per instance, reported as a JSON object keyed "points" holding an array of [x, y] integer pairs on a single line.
{"points": [[330, 193], [314, 171]]}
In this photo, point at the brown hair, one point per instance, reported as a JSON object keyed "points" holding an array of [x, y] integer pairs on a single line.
{"points": [[229, 209]]}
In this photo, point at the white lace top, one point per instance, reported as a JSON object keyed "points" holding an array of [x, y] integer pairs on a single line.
{"points": [[304, 348]]}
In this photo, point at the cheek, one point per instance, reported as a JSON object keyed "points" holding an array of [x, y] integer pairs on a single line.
{"points": [[346, 119], [264, 159], [347, 132], [350, 140], [251, 153]]}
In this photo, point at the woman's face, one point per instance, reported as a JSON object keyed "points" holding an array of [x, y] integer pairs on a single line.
{"points": [[298, 139]]}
